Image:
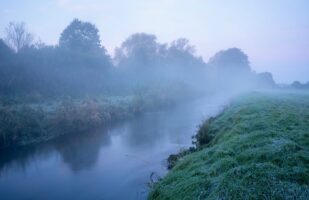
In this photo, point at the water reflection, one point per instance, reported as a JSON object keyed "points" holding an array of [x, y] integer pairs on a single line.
{"points": [[144, 132], [114, 163], [81, 152]]}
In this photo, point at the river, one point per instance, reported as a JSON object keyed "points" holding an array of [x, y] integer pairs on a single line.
{"points": [[107, 164]]}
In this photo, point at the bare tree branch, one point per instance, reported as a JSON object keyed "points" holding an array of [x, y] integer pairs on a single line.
{"points": [[17, 36]]}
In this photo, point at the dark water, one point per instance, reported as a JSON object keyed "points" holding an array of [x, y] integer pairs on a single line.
{"points": [[106, 164]]}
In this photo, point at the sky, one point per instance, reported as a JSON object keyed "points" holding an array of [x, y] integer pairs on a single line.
{"points": [[273, 33]]}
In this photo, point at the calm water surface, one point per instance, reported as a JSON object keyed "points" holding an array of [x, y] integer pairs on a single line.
{"points": [[107, 164]]}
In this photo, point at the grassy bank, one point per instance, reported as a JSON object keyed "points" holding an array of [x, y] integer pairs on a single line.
{"points": [[34, 122], [257, 149]]}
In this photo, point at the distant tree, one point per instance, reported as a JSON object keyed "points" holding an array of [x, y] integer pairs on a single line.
{"points": [[138, 49], [298, 85], [8, 70], [81, 36], [233, 59], [265, 79], [182, 64], [231, 70], [182, 45], [17, 37], [181, 53]]}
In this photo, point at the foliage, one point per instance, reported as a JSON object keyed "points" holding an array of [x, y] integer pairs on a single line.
{"points": [[204, 134], [18, 125], [299, 86], [142, 60], [79, 65], [22, 124], [260, 150], [139, 47], [80, 36], [33, 123], [232, 59], [265, 80]]}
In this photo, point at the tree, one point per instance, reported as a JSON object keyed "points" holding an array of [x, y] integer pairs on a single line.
{"points": [[298, 85], [231, 70], [230, 60], [182, 45], [17, 36], [182, 53], [140, 49], [266, 80], [81, 36]]}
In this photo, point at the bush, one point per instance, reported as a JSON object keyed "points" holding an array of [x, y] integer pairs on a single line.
{"points": [[204, 134], [18, 125]]}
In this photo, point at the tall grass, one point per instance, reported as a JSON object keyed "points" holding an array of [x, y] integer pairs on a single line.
{"points": [[22, 124]]}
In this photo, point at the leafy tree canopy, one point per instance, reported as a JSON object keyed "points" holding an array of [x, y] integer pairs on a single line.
{"points": [[81, 36], [139, 48], [232, 59]]}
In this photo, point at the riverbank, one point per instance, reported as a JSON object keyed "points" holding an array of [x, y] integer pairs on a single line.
{"points": [[35, 122], [257, 148]]}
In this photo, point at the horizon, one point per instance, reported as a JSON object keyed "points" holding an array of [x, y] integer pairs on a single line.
{"points": [[275, 41]]}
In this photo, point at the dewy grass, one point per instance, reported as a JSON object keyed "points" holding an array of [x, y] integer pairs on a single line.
{"points": [[260, 150]]}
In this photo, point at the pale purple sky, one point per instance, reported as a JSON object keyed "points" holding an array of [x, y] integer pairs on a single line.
{"points": [[274, 33]]}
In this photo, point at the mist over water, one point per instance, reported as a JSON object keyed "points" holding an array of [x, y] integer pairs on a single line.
{"points": [[107, 164], [79, 123]]}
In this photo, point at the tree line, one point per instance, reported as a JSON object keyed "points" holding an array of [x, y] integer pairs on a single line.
{"points": [[79, 64]]}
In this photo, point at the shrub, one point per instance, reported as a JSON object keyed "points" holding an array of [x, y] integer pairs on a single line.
{"points": [[204, 134]]}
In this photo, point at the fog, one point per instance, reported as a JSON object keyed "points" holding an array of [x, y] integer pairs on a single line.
{"points": [[79, 123], [79, 65]]}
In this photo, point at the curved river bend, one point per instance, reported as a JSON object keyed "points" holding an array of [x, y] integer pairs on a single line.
{"points": [[111, 164]]}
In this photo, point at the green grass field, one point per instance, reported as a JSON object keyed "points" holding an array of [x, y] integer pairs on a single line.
{"points": [[259, 149]]}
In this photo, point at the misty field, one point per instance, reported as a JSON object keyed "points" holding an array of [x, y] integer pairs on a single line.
{"points": [[258, 148]]}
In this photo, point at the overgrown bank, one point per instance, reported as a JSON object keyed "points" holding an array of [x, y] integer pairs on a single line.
{"points": [[257, 149], [28, 123]]}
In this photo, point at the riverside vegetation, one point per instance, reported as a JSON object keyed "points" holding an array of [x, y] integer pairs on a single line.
{"points": [[37, 78], [258, 148], [33, 122]]}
